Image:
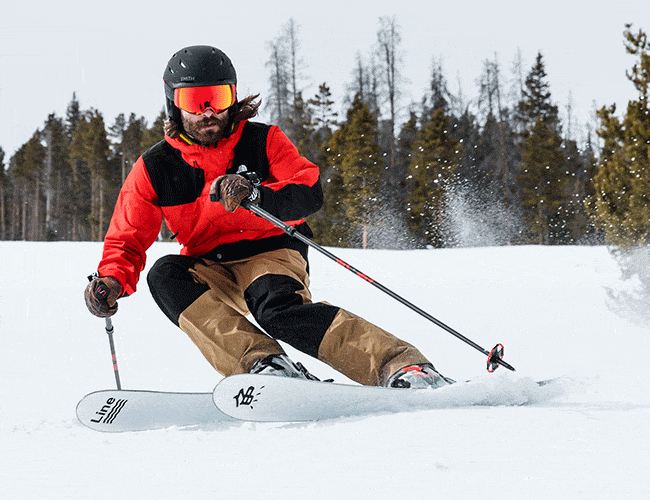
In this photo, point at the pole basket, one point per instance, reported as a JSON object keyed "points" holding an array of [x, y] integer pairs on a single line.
{"points": [[494, 358]]}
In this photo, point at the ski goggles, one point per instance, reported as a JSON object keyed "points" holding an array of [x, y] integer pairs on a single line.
{"points": [[196, 100]]}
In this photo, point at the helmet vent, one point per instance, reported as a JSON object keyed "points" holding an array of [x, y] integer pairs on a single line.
{"points": [[183, 65]]}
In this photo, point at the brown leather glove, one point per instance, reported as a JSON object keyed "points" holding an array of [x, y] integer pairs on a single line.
{"points": [[101, 296], [231, 190]]}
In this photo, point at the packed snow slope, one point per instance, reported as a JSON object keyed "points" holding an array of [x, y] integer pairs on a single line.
{"points": [[562, 312]]}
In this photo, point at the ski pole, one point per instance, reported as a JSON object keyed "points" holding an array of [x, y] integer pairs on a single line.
{"points": [[495, 356], [101, 293], [109, 331]]}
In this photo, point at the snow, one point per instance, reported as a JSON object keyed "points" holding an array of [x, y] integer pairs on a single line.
{"points": [[557, 310]]}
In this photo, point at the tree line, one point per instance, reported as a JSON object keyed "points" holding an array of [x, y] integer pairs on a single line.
{"points": [[499, 170], [62, 184]]}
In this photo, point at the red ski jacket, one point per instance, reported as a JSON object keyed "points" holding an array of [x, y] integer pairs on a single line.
{"points": [[173, 180]]}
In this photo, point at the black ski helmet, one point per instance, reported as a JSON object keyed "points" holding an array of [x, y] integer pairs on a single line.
{"points": [[195, 66]]}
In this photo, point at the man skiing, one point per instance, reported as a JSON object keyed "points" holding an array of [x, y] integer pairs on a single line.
{"points": [[233, 263]]}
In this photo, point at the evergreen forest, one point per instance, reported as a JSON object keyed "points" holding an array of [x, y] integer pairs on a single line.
{"points": [[502, 170]]}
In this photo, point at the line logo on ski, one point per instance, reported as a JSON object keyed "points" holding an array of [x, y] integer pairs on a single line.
{"points": [[247, 396], [109, 411]]}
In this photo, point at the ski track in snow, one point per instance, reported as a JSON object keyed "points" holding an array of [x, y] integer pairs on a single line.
{"points": [[583, 435]]}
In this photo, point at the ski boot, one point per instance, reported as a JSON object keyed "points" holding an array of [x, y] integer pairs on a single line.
{"points": [[422, 376], [281, 365]]}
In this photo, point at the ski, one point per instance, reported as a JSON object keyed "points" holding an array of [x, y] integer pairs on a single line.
{"points": [[124, 411], [265, 398]]}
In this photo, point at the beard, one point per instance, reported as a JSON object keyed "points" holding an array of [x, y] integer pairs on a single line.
{"points": [[206, 131]]}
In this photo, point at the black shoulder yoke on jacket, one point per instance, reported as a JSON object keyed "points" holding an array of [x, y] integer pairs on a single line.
{"points": [[250, 151], [176, 182]]}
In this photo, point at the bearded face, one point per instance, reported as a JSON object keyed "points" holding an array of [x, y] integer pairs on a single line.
{"points": [[206, 129]]}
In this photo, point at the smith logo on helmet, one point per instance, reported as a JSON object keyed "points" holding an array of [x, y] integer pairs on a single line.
{"points": [[187, 78]]}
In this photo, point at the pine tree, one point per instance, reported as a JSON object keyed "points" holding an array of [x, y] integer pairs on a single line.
{"points": [[4, 196], [322, 107], [622, 183], [465, 129], [73, 114], [285, 68], [435, 159], [330, 224], [497, 152], [536, 100], [438, 94], [299, 127], [359, 163], [155, 133], [89, 152], [27, 171], [56, 175], [544, 183], [279, 95], [128, 140], [498, 160], [405, 147], [543, 179], [327, 223], [581, 166], [388, 54], [365, 84]]}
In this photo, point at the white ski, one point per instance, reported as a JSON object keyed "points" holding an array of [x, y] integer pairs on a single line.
{"points": [[123, 411], [266, 398]]}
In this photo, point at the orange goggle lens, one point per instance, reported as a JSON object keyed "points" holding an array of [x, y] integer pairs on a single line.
{"points": [[197, 99]]}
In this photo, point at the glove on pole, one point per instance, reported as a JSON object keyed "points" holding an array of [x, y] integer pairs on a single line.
{"points": [[96, 296], [495, 356]]}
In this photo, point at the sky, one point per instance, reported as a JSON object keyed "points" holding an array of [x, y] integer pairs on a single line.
{"points": [[112, 54]]}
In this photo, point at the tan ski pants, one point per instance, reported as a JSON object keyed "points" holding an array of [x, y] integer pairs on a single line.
{"points": [[273, 287]]}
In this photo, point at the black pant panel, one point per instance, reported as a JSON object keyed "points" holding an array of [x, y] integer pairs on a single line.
{"points": [[281, 312], [172, 285]]}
